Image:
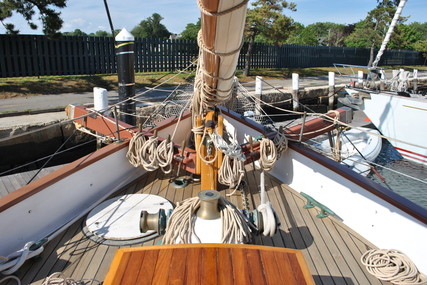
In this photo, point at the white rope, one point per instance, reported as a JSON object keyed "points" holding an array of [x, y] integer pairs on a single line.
{"points": [[18, 281], [233, 150], [269, 219], [231, 172], [148, 154], [199, 153], [135, 145], [180, 227], [58, 278], [165, 156], [393, 266], [268, 154], [281, 143], [13, 261]]}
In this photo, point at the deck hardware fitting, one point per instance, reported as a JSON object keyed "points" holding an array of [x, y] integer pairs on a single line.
{"points": [[156, 221], [311, 203], [180, 183]]}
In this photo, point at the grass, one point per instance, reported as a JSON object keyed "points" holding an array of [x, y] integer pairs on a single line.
{"points": [[44, 85]]}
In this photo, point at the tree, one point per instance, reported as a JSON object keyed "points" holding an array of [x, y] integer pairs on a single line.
{"points": [[266, 22], [421, 46], [151, 28], [191, 31], [420, 28], [50, 18], [404, 37], [76, 32], [302, 36], [370, 32]]}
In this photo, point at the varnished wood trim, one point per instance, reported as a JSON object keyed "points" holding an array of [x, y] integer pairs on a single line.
{"points": [[119, 264]]}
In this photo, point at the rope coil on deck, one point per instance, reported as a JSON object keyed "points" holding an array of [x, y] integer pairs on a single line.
{"points": [[393, 266], [180, 228]]}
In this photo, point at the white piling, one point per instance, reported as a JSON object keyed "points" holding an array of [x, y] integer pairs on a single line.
{"points": [[331, 95], [258, 94], [100, 99], [295, 91], [360, 78], [415, 80]]}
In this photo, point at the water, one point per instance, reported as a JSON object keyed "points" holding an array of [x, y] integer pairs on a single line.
{"points": [[393, 164]]}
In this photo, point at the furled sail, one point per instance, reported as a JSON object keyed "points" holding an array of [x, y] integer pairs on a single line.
{"points": [[220, 40]]}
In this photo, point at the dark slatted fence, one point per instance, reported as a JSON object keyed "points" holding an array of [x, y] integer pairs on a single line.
{"points": [[35, 55]]}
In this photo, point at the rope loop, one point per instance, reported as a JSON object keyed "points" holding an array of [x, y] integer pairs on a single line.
{"points": [[165, 156], [148, 154], [393, 266], [268, 154], [14, 261], [217, 14]]}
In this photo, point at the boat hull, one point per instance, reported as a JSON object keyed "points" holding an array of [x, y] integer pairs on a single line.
{"points": [[403, 120]]}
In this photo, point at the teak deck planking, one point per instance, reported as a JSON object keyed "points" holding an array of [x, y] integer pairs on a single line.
{"points": [[331, 250]]}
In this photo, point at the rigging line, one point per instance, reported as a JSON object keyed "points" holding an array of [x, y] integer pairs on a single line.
{"points": [[41, 168], [375, 164], [168, 98], [342, 123], [364, 158], [43, 158]]}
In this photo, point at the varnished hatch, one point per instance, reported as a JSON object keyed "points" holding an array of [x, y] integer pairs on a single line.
{"points": [[208, 264]]}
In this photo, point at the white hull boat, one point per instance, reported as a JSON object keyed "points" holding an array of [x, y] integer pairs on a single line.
{"points": [[398, 116], [358, 147]]}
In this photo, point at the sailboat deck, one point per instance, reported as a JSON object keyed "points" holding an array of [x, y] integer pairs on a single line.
{"points": [[332, 251]]}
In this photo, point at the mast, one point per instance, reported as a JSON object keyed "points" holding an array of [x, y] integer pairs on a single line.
{"points": [[389, 33], [220, 40]]}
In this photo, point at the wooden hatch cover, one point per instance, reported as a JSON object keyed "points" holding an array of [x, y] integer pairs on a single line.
{"points": [[208, 264]]}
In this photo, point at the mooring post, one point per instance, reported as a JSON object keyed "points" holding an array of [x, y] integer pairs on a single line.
{"points": [[100, 100], [295, 91], [415, 81], [126, 75], [360, 78], [331, 95], [382, 79], [258, 94], [401, 79], [100, 104]]}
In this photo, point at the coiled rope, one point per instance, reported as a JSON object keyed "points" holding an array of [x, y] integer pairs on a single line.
{"points": [[393, 266], [13, 261], [58, 278], [268, 154], [270, 151], [149, 155], [135, 146], [180, 227]]}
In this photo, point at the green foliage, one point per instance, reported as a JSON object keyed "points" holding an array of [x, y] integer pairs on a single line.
{"points": [[303, 36], [420, 28], [50, 18], [76, 32], [191, 31], [370, 32], [151, 28], [360, 38], [421, 46], [267, 21], [404, 37]]}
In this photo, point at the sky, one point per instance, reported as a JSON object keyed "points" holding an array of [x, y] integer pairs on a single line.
{"points": [[90, 15]]}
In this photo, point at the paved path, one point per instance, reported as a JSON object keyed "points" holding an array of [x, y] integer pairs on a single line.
{"points": [[58, 101]]}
